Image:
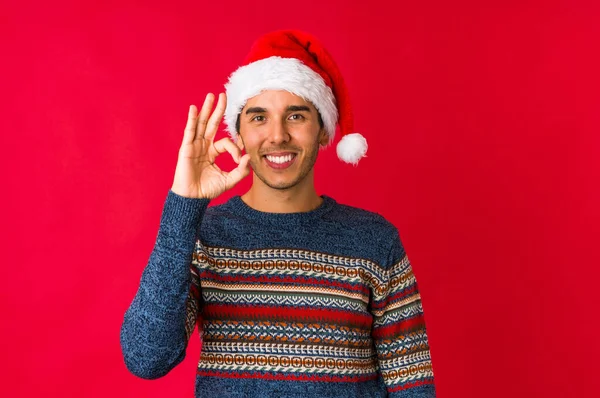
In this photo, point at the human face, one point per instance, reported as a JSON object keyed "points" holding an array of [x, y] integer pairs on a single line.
{"points": [[282, 134]]}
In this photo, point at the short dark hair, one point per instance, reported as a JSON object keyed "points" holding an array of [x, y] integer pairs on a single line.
{"points": [[237, 122]]}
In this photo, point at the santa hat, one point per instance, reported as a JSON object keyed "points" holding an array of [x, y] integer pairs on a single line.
{"points": [[297, 62]]}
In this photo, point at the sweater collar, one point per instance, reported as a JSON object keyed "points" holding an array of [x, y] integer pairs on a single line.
{"points": [[240, 207]]}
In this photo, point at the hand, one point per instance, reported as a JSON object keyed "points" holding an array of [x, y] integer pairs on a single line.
{"points": [[196, 174]]}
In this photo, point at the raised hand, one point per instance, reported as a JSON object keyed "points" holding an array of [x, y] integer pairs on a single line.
{"points": [[196, 174]]}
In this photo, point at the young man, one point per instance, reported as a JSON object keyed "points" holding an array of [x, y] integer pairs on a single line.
{"points": [[295, 295]]}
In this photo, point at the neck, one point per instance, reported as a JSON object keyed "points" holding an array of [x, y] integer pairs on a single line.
{"points": [[302, 197]]}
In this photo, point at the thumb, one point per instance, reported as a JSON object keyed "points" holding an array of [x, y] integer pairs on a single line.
{"points": [[242, 170]]}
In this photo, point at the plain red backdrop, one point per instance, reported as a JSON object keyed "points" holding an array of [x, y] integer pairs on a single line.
{"points": [[482, 120]]}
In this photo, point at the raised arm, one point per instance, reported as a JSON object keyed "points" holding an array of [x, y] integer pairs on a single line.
{"points": [[158, 324]]}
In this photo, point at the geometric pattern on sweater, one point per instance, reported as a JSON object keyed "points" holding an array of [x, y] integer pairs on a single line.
{"points": [[291, 299], [289, 262], [279, 348], [287, 363], [329, 303], [410, 310], [289, 314], [192, 309], [288, 332]]}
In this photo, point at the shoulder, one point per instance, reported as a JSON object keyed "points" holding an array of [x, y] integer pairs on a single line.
{"points": [[357, 217], [368, 226], [374, 230], [218, 209], [222, 214]]}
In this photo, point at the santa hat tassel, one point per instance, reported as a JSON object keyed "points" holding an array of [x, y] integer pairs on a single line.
{"points": [[351, 148]]}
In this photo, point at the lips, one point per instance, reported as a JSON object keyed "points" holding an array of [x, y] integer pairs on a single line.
{"points": [[280, 160]]}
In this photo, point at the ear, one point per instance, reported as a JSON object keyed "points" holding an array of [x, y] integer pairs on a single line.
{"points": [[323, 137], [239, 142]]}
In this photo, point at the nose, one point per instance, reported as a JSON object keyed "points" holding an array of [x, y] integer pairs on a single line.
{"points": [[279, 133]]}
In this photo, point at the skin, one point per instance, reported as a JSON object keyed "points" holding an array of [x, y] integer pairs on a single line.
{"points": [[279, 122], [271, 122], [196, 174]]}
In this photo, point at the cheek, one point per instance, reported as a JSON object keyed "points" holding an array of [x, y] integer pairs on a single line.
{"points": [[251, 144], [308, 139], [251, 138]]}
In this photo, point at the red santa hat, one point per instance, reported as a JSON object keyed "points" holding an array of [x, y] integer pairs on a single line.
{"points": [[297, 62]]}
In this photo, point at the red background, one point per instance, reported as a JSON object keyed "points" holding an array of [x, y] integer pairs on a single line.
{"points": [[482, 120]]}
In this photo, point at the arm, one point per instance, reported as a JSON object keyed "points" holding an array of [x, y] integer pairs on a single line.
{"points": [[399, 329], [157, 326], [162, 316]]}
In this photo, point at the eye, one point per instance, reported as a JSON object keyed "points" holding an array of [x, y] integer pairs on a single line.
{"points": [[296, 116], [258, 118]]}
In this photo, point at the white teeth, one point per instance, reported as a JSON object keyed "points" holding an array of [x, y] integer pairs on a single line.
{"points": [[280, 159]]}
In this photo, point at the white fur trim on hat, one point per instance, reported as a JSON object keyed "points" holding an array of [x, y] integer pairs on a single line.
{"points": [[277, 73], [351, 148]]}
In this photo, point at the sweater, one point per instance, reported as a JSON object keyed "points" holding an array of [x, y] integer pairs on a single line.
{"points": [[321, 303]]}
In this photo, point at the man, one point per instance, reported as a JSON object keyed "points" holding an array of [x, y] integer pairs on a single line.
{"points": [[295, 294]]}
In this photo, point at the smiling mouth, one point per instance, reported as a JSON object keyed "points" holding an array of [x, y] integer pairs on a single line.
{"points": [[280, 161]]}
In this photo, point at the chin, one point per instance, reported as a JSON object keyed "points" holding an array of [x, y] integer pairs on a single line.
{"points": [[278, 182], [281, 179], [281, 184]]}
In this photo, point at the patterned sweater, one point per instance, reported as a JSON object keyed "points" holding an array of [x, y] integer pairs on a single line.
{"points": [[313, 304]]}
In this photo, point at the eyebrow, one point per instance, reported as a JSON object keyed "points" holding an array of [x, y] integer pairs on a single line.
{"points": [[291, 108], [255, 109], [297, 108]]}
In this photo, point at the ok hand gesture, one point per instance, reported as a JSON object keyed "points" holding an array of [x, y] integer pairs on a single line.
{"points": [[196, 174]]}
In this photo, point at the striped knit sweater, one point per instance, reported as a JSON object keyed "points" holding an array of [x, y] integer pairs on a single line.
{"points": [[314, 304]]}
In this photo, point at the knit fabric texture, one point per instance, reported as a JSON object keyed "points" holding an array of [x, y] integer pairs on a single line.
{"points": [[321, 303]]}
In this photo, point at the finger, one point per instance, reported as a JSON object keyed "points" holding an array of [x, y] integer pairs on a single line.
{"points": [[215, 118], [226, 145], [190, 127], [204, 114], [242, 170]]}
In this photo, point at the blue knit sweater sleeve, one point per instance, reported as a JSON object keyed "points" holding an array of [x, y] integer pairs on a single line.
{"points": [[156, 327]]}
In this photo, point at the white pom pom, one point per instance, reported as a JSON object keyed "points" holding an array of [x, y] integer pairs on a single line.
{"points": [[351, 148]]}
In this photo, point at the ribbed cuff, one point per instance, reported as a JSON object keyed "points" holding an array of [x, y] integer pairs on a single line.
{"points": [[180, 220]]}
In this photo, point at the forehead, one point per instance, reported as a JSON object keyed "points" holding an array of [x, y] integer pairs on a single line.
{"points": [[276, 100]]}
